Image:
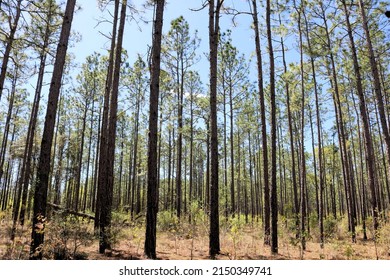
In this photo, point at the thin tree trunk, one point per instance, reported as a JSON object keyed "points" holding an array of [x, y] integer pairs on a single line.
{"points": [[86, 183], [292, 141], [274, 197], [76, 202], [303, 232], [135, 158], [94, 202], [8, 48], [341, 129], [319, 140], [267, 214], [231, 148]]}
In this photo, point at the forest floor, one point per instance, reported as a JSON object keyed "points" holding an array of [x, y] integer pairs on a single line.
{"points": [[73, 238]]}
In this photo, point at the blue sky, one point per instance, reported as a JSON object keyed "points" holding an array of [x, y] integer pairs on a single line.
{"points": [[138, 36]]}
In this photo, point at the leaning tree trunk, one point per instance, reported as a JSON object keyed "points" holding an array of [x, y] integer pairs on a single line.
{"points": [[8, 48], [43, 169]]}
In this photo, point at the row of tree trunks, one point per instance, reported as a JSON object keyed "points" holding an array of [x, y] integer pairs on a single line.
{"points": [[252, 188]]}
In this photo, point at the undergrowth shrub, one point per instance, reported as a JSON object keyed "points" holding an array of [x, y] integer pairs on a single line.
{"points": [[119, 223], [383, 237], [330, 227], [167, 221], [199, 219], [236, 227], [65, 235]]}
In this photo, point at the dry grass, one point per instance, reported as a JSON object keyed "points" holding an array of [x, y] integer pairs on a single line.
{"points": [[185, 241]]}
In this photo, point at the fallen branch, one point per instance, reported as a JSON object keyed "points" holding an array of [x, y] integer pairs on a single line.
{"points": [[70, 211]]}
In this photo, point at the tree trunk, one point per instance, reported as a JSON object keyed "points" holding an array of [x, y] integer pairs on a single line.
{"points": [[340, 127], [43, 170], [102, 182], [152, 191], [135, 158], [8, 48], [76, 203], [107, 198], [274, 195], [267, 214], [291, 139], [319, 140], [303, 232], [214, 12], [27, 156]]}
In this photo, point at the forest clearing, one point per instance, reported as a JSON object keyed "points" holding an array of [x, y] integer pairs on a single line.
{"points": [[202, 129]]}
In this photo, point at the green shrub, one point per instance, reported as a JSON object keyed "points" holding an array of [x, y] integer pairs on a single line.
{"points": [[330, 227], [167, 221], [65, 235]]}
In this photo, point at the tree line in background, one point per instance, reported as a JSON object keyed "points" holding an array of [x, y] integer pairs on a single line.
{"points": [[305, 139]]}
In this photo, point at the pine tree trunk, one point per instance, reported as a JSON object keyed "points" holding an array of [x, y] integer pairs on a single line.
{"points": [[135, 158], [292, 145], [267, 214], [274, 197], [27, 156], [86, 183], [319, 140], [102, 181], [341, 128], [43, 170], [214, 11], [3, 150], [80, 160], [180, 81], [8, 48], [107, 199], [152, 191], [303, 232]]}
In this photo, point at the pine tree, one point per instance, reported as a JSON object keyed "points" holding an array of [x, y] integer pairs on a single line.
{"points": [[152, 191], [43, 170]]}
